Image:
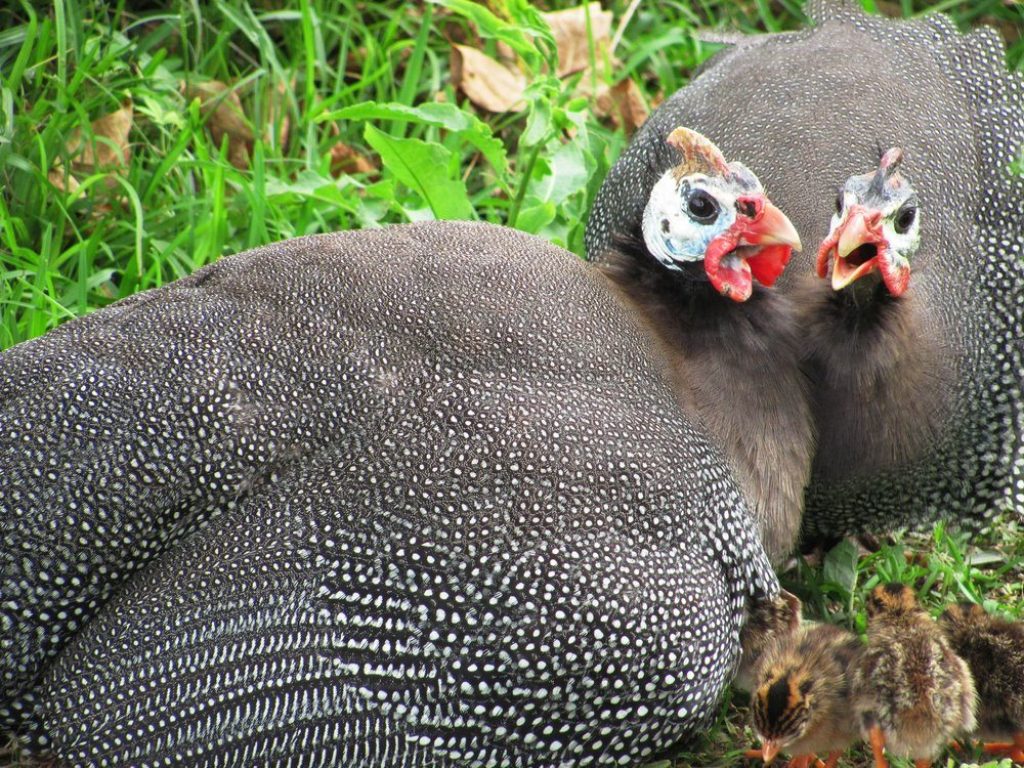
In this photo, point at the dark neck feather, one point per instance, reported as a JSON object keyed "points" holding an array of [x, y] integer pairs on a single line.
{"points": [[677, 302], [882, 380], [734, 367], [863, 307]]}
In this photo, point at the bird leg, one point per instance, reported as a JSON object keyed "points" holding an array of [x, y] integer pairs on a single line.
{"points": [[753, 754], [833, 759], [1013, 750], [877, 739], [923, 762], [805, 761], [996, 747]]}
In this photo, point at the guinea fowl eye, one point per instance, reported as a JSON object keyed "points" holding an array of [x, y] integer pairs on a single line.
{"points": [[702, 207], [905, 218], [839, 202]]}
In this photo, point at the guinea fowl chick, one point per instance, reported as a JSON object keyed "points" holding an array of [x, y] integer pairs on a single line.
{"points": [[913, 693], [769, 622], [693, 270], [804, 698], [993, 648]]}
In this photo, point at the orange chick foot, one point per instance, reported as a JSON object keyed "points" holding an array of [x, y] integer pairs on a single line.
{"points": [[877, 739]]}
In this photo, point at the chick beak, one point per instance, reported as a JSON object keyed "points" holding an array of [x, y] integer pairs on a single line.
{"points": [[769, 750], [859, 247], [767, 237]]}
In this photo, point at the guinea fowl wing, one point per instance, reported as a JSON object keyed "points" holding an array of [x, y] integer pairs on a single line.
{"points": [[488, 532]]}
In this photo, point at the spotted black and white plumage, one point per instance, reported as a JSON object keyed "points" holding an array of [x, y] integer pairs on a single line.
{"points": [[806, 110], [407, 497]]}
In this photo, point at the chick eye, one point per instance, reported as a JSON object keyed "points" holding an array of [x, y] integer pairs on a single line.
{"points": [[905, 218], [702, 207]]}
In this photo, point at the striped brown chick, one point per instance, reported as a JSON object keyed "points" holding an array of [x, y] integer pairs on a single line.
{"points": [[993, 648], [768, 623], [803, 704], [913, 693]]}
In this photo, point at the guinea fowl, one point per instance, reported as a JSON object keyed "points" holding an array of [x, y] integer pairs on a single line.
{"points": [[922, 394], [993, 648], [867, 342], [803, 702], [418, 496], [913, 693], [675, 268]]}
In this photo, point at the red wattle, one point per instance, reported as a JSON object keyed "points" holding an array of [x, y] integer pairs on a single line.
{"points": [[734, 283], [825, 253], [895, 276], [769, 262]]}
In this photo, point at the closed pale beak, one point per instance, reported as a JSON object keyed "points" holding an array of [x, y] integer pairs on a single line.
{"points": [[772, 227]]}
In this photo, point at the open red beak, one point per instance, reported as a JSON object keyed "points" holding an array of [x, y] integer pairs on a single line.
{"points": [[858, 248], [756, 247]]}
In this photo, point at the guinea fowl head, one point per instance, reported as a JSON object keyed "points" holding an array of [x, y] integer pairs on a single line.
{"points": [[963, 616], [876, 229], [892, 599], [782, 708], [705, 210]]}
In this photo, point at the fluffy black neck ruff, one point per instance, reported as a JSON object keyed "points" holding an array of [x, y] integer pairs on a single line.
{"points": [[735, 367], [863, 307], [683, 301]]}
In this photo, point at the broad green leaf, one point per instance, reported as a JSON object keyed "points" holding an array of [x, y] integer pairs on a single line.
{"points": [[538, 123], [567, 175], [529, 18], [447, 116], [840, 566], [489, 25], [425, 167], [533, 218]]}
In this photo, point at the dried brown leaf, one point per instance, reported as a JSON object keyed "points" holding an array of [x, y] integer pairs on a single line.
{"points": [[110, 148], [489, 84], [222, 108], [623, 103], [344, 159], [65, 182], [105, 148], [569, 28]]}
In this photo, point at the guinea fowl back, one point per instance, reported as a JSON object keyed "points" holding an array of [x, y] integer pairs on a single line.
{"points": [[467, 522], [808, 109]]}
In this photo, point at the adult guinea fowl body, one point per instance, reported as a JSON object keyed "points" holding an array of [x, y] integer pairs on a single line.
{"points": [[919, 399], [409, 497]]}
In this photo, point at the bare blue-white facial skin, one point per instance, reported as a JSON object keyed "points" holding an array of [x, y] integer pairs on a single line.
{"points": [[684, 215]]}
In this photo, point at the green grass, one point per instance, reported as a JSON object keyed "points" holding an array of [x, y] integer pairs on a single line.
{"points": [[377, 79], [179, 202]]}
